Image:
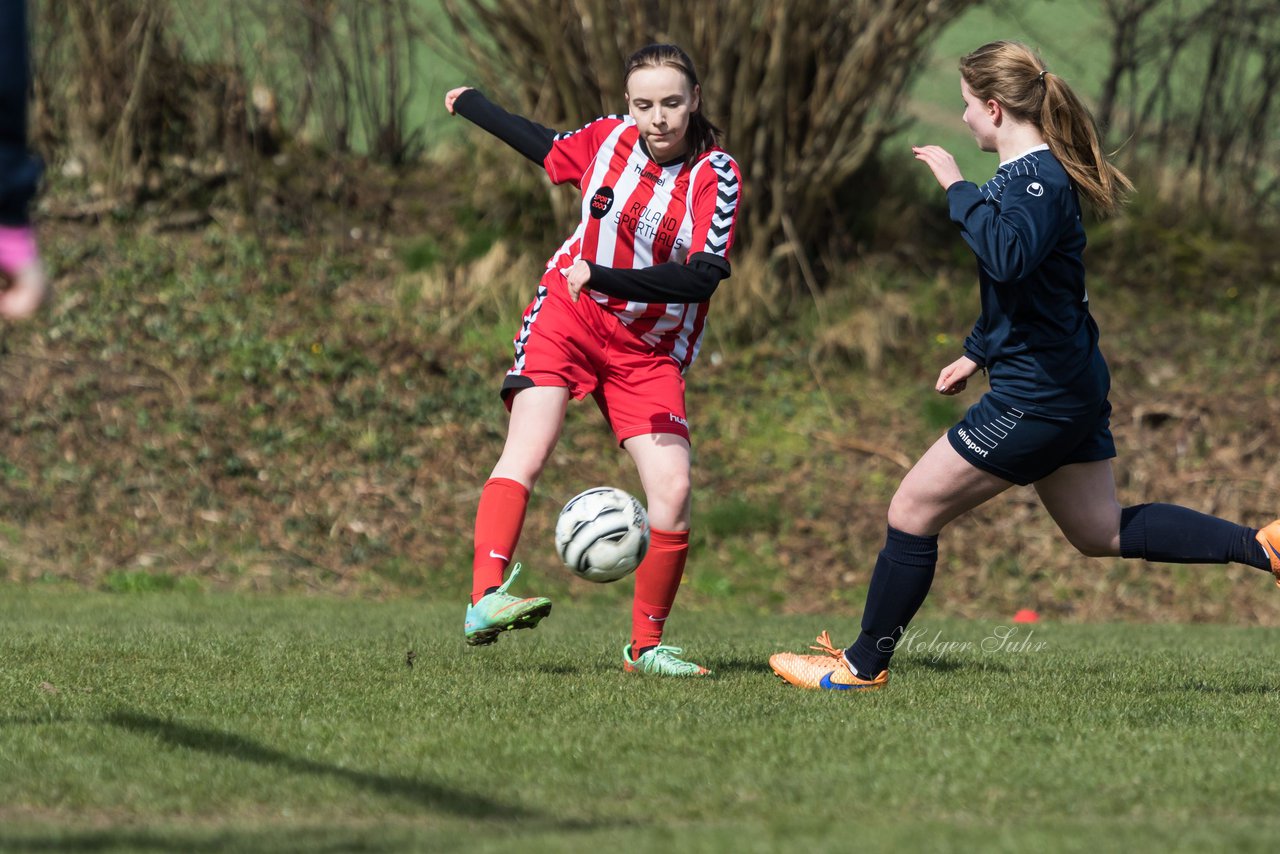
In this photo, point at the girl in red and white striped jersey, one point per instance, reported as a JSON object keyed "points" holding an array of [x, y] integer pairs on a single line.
{"points": [[619, 314]]}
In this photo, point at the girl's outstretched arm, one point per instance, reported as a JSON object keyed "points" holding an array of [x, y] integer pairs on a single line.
{"points": [[940, 162], [527, 137]]}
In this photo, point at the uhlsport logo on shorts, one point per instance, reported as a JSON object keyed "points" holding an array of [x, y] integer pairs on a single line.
{"points": [[601, 202]]}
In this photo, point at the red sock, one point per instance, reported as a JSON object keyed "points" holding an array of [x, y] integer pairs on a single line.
{"points": [[657, 582], [498, 523]]}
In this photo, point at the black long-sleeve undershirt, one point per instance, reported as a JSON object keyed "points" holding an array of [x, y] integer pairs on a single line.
{"points": [[527, 137], [670, 282]]}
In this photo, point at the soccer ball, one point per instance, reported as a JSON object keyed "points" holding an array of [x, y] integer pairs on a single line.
{"points": [[602, 534]]}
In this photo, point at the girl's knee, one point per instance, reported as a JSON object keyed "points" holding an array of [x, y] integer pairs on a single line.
{"points": [[910, 516], [1094, 543], [669, 506], [1094, 547], [672, 493]]}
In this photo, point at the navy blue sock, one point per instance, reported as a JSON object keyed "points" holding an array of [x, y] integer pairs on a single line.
{"points": [[901, 580], [1172, 534]]}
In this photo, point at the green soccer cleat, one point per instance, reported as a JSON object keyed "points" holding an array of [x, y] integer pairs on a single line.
{"points": [[497, 612], [661, 661]]}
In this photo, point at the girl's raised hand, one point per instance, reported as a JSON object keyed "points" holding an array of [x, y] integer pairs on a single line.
{"points": [[940, 161], [451, 96]]}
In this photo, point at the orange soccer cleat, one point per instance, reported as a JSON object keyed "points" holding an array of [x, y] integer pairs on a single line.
{"points": [[829, 671], [1269, 537]]}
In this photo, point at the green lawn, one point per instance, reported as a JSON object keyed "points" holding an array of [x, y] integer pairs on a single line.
{"points": [[195, 722]]}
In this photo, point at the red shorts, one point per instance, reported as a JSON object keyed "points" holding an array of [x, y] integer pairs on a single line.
{"points": [[583, 347]]}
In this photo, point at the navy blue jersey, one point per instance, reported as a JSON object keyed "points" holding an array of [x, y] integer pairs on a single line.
{"points": [[1035, 335], [19, 171]]}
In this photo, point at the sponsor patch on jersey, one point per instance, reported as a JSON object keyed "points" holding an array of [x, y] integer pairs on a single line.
{"points": [[1035, 188], [601, 202]]}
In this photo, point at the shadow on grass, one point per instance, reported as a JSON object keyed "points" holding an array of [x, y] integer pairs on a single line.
{"points": [[1207, 687], [433, 796], [39, 719], [955, 665], [424, 794], [276, 841], [758, 664]]}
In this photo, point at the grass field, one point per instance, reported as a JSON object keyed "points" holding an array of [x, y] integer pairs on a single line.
{"points": [[201, 723]]}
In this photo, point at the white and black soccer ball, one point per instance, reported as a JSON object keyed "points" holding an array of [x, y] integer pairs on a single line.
{"points": [[602, 534]]}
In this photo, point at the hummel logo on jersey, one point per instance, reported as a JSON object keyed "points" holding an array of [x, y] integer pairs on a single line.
{"points": [[651, 172], [601, 202], [1035, 188]]}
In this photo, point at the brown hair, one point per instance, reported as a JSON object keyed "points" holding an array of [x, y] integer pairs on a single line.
{"points": [[701, 134], [1015, 77]]}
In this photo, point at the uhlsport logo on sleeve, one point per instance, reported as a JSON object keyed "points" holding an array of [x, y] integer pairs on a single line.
{"points": [[1035, 188]]}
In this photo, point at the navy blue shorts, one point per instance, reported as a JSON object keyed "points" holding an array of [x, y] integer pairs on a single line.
{"points": [[1022, 447]]}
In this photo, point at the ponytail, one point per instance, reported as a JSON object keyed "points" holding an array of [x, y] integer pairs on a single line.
{"points": [[702, 135], [1011, 74], [1073, 138]]}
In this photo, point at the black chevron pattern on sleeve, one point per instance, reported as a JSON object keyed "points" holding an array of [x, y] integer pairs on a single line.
{"points": [[726, 204]]}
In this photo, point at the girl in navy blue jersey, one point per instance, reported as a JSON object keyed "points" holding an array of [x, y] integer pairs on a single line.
{"points": [[1045, 420], [22, 286]]}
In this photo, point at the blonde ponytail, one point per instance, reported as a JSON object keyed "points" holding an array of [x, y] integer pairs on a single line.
{"points": [[1012, 75]]}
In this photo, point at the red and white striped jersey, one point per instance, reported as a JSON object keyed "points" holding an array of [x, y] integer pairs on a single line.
{"points": [[636, 213]]}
